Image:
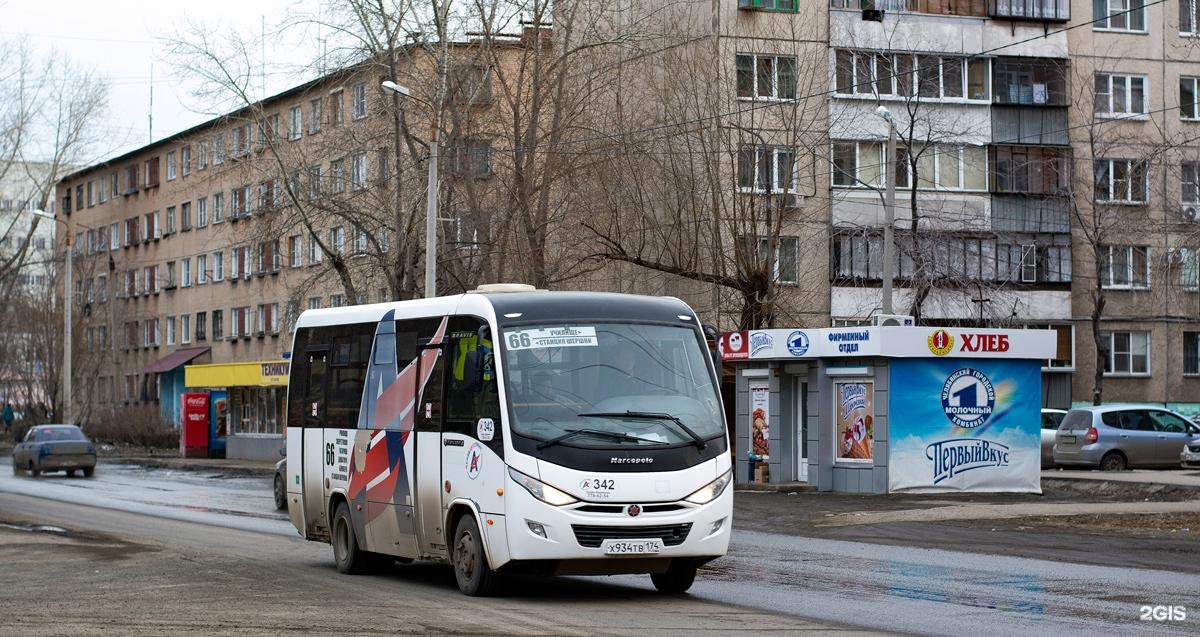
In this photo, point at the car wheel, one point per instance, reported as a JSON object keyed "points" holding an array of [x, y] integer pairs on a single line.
{"points": [[70, 473], [1113, 461], [678, 578], [89, 472], [33, 470], [475, 577], [16, 468], [280, 493], [350, 559]]}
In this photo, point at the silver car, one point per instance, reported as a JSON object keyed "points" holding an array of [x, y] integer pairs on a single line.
{"points": [[55, 448], [1116, 437], [1051, 419]]}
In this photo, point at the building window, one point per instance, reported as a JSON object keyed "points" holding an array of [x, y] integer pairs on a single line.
{"points": [[1030, 81], [218, 207], [314, 302], [1189, 268], [185, 329], [472, 158], [201, 212], [295, 249], [170, 219], [904, 75], [295, 122], [336, 239], [185, 216], [185, 272], [1189, 180], [1041, 170], [218, 149], [765, 76], [359, 101], [335, 300], [337, 176], [1125, 267], [358, 171], [218, 324], [335, 108], [1191, 353], [201, 326], [766, 169], [786, 266], [201, 269], [940, 166], [170, 166], [170, 330], [185, 160], [1126, 353], [314, 251], [1118, 15], [1120, 95], [218, 266], [360, 241], [783, 6], [314, 115], [1121, 181], [201, 155], [1189, 98], [314, 182]]}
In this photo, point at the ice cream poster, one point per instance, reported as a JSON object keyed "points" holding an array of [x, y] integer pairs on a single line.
{"points": [[855, 422], [965, 425], [760, 418]]}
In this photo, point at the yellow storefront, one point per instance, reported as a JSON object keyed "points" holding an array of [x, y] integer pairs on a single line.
{"points": [[255, 393]]}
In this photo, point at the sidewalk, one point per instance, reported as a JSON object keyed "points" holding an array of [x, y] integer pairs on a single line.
{"points": [[1173, 477], [221, 465]]}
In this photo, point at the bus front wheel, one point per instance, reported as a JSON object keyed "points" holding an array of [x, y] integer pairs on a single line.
{"points": [[677, 579], [350, 559], [475, 578]]}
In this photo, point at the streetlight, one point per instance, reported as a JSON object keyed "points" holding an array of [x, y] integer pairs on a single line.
{"points": [[68, 303], [889, 209], [431, 197]]}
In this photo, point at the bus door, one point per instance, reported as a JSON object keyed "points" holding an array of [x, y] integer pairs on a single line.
{"points": [[427, 357], [313, 403]]}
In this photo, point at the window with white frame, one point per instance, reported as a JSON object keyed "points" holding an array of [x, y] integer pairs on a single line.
{"points": [[185, 272], [1118, 15], [785, 264], [1189, 182], [337, 176], [1126, 353], [1189, 98], [766, 169], [1125, 267], [358, 171], [336, 300], [900, 75], [358, 101], [1120, 95], [218, 149], [170, 219], [185, 159], [296, 250], [201, 269], [185, 328], [315, 254], [218, 324], [336, 239], [201, 155], [940, 166], [765, 76], [1189, 268], [314, 182], [170, 330], [218, 207], [218, 265], [1121, 181], [170, 165], [360, 241], [295, 123], [201, 212], [1189, 17], [314, 115]]}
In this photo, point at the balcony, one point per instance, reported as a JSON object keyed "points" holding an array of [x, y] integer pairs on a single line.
{"points": [[976, 8], [1031, 10], [1029, 170]]}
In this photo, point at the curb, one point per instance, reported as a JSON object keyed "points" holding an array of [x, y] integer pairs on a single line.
{"points": [[175, 464], [786, 487]]}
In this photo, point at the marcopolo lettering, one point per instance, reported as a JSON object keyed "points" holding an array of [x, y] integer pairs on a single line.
{"points": [[956, 456], [984, 343]]}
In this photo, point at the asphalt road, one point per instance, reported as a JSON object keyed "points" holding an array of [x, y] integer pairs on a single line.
{"points": [[149, 552]]}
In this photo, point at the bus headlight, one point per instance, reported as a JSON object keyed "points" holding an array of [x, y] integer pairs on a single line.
{"points": [[541, 490], [712, 490]]}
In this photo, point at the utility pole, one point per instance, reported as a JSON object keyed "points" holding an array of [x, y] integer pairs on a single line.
{"points": [[68, 301], [431, 193], [889, 211]]}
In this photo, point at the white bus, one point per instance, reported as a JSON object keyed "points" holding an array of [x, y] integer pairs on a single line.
{"points": [[503, 431]]}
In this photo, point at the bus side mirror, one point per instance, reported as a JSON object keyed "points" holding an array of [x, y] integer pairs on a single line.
{"points": [[712, 334]]}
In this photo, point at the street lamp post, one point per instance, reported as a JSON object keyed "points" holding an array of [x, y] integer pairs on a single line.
{"points": [[67, 307], [431, 199], [889, 210]]}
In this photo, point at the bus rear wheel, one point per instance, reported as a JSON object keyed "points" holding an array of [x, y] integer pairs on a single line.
{"points": [[475, 577], [350, 559], [677, 579]]}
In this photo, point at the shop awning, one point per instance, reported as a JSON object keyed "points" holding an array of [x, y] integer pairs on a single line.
{"points": [[174, 359], [246, 374]]}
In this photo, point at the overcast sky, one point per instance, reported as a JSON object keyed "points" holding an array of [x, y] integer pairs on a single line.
{"points": [[125, 40]]}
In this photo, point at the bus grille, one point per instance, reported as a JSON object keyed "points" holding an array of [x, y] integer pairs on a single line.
{"points": [[592, 536]]}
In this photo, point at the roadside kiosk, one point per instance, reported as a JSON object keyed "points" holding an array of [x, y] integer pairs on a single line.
{"points": [[885, 409]]}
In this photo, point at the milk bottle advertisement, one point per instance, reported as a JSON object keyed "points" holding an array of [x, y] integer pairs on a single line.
{"points": [[961, 424]]}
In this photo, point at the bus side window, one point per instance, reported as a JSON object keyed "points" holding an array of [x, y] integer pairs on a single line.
{"points": [[297, 378], [313, 406], [467, 399], [428, 404], [348, 364], [380, 376]]}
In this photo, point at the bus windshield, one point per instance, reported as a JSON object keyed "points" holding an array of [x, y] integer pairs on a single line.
{"points": [[608, 384]]}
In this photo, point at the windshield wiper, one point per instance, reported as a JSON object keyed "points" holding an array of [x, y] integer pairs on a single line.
{"points": [[649, 415], [571, 433]]}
